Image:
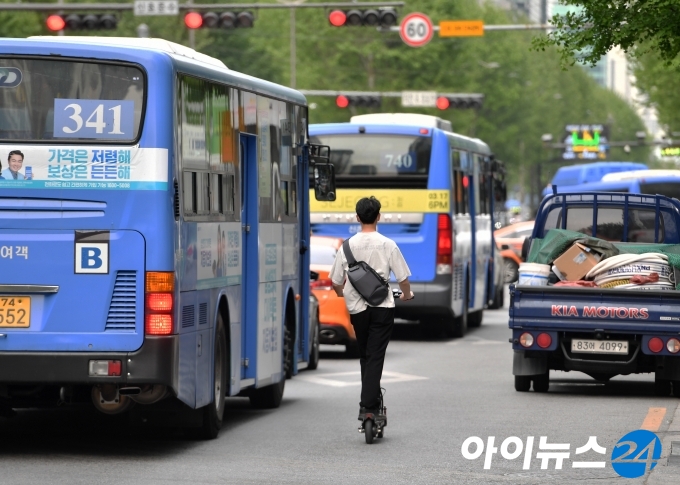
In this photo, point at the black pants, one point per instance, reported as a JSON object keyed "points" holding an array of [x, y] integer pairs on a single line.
{"points": [[373, 328]]}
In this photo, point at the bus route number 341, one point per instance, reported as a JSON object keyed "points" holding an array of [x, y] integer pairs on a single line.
{"points": [[100, 119]]}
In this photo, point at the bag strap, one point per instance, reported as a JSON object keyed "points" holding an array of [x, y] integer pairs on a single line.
{"points": [[348, 253]]}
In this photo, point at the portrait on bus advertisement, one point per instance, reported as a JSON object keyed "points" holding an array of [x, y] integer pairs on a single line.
{"points": [[215, 254], [84, 167]]}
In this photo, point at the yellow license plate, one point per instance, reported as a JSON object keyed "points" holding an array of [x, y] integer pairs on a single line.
{"points": [[15, 311]]}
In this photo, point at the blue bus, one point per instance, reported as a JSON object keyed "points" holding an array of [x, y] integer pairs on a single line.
{"points": [[653, 182], [437, 190], [153, 228], [585, 173]]}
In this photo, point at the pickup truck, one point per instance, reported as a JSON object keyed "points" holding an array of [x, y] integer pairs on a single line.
{"points": [[601, 332]]}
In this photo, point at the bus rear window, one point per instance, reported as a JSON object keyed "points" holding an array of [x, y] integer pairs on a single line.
{"points": [[669, 189], [68, 101], [375, 160]]}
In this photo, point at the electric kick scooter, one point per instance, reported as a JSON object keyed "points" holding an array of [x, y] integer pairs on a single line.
{"points": [[373, 424]]}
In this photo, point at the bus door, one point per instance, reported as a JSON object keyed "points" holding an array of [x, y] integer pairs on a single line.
{"points": [[249, 256], [462, 224]]}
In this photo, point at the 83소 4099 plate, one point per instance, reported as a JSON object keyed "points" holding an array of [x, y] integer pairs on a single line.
{"points": [[599, 346]]}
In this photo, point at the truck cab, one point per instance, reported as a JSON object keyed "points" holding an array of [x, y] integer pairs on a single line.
{"points": [[601, 331]]}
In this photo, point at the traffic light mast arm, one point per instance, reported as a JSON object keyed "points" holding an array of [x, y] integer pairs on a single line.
{"points": [[185, 6]]}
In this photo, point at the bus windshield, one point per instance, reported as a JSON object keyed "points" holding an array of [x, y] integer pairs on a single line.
{"points": [[669, 189], [374, 160], [68, 101]]}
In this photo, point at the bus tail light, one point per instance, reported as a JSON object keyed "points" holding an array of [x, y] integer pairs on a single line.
{"points": [[159, 304], [673, 345], [444, 244]]}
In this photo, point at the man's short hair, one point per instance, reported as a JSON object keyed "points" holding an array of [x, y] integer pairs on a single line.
{"points": [[368, 209], [15, 152]]}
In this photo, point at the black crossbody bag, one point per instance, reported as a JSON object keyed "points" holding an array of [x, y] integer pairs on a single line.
{"points": [[370, 285]]}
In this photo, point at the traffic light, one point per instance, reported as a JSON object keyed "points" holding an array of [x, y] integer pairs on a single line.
{"points": [[460, 102], [77, 21], [359, 101], [382, 17], [225, 20]]}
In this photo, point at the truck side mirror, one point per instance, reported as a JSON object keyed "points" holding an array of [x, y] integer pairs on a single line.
{"points": [[324, 182]]}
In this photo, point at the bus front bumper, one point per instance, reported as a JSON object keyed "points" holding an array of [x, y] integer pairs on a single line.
{"points": [[153, 363]]}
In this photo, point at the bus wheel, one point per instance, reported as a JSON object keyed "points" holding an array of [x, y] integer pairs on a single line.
{"points": [[314, 349], [287, 350], [475, 319], [268, 397], [214, 412], [457, 327]]}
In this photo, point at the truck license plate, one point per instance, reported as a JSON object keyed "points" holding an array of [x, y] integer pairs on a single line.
{"points": [[599, 346]]}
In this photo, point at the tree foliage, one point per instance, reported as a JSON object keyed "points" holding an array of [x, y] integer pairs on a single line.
{"points": [[596, 26], [659, 82]]}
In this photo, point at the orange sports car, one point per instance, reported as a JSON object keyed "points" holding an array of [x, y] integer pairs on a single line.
{"points": [[336, 328]]}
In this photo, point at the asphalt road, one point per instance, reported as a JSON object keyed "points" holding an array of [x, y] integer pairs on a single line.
{"points": [[439, 393]]}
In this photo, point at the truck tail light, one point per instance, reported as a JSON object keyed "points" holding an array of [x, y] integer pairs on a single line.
{"points": [[159, 302], [673, 345], [544, 340], [444, 244], [526, 340], [655, 344]]}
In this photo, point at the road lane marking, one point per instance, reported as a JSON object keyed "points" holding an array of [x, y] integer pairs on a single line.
{"points": [[653, 419], [355, 378]]}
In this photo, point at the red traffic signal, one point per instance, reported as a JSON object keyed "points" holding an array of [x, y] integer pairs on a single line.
{"points": [[337, 18], [226, 20], [383, 17], [193, 20], [76, 21], [342, 101], [359, 101], [55, 23], [443, 102], [460, 101]]}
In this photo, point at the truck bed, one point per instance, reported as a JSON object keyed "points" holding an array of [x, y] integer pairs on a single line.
{"points": [[570, 308]]}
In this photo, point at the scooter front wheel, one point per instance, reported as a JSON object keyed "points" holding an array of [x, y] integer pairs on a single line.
{"points": [[369, 431]]}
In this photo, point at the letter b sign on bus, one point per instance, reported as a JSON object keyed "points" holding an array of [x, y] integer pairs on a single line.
{"points": [[416, 29]]}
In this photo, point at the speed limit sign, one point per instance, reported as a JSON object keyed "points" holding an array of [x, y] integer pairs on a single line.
{"points": [[416, 29]]}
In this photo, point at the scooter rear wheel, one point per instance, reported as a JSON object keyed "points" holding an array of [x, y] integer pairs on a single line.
{"points": [[369, 431]]}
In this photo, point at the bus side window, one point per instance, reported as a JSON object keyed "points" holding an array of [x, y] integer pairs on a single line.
{"points": [[461, 194], [189, 192]]}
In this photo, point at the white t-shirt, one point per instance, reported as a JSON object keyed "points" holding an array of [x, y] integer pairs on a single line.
{"points": [[382, 254]]}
